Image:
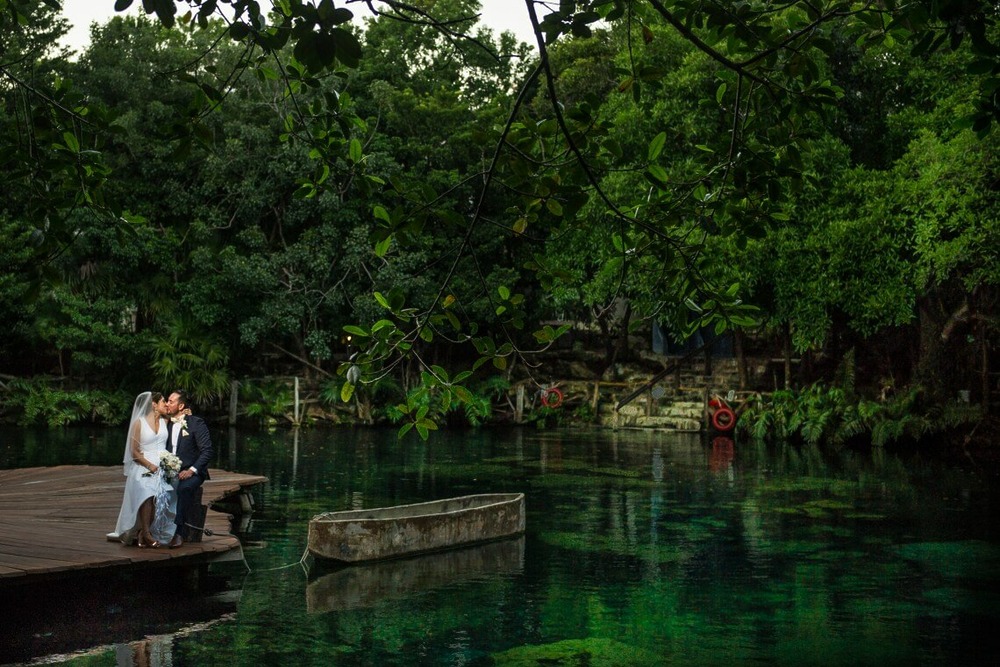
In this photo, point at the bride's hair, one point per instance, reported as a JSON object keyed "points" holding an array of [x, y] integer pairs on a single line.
{"points": [[154, 398]]}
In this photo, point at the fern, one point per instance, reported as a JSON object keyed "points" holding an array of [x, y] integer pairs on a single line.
{"points": [[845, 375], [814, 424]]}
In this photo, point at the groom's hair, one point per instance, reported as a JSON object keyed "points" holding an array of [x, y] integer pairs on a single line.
{"points": [[182, 397]]}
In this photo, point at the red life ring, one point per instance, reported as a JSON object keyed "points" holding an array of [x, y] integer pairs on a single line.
{"points": [[724, 419], [552, 397]]}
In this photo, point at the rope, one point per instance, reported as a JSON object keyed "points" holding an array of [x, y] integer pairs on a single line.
{"points": [[301, 561]]}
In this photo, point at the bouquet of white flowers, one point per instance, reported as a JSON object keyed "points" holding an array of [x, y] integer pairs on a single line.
{"points": [[170, 465]]}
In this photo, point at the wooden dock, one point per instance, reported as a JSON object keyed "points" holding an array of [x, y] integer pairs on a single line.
{"points": [[54, 523]]}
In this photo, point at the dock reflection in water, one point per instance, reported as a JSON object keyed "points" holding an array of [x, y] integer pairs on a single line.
{"points": [[97, 613], [363, 586]]}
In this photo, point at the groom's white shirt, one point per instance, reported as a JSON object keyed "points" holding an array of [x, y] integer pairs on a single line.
{"points": [[174, 434]]}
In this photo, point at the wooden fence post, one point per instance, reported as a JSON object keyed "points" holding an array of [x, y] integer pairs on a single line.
{"points": [[298, 419], [234, 401]]}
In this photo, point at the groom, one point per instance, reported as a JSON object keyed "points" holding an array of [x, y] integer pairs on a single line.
{"points": [[188, 438]]}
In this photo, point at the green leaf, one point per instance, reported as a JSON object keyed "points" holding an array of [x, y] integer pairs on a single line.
{"points": [[658, 175], [346, 392], [71, 142], [382, 247], [720, 92], [355, 151], [656, 145], [348, 48], [356, 330]]}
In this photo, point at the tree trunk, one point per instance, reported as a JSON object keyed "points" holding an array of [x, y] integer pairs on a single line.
{"points": [[938, 367], [984, 369]]}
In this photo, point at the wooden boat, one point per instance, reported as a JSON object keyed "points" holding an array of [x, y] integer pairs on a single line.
{"points": [[357, 536]]}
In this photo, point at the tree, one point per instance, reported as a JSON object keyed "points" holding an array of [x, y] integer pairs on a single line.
{"points": [[544, 177]]}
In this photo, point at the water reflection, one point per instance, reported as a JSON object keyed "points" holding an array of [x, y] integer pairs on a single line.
{"points": [[107, 609], [362, 586], [641, 548]]}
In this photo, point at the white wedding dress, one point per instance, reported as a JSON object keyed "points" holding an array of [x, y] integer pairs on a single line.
{"points": [[139, 487]]}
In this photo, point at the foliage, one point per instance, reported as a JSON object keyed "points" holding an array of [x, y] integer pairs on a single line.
{"points": [[39, 401], [409, 204], [190, 358], [435, 398], [820, 415], [267, 401]]}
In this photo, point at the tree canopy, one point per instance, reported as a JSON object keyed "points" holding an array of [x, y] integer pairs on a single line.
{"points": [[219, 190]]}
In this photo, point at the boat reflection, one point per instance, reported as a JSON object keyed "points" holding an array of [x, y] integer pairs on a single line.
{"points": [[363, 586]]}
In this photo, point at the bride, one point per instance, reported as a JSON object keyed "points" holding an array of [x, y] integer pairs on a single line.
{"points": [[150, 503]]}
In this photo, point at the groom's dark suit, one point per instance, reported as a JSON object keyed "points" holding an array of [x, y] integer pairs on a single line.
{"points": [[194, 449]]}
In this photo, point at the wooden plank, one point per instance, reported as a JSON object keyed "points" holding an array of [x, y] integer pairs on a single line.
{"points": [[56, 520]]}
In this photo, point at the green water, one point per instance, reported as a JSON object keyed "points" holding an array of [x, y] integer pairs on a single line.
{"points": [[641, 549]]}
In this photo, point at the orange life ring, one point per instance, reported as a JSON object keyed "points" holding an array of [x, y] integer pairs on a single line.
{"points": [[552, 397], [724, 419]]}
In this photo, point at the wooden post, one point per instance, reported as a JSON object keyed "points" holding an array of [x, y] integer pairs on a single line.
{"points": [[788, 355], [984, 374], [741, 360], [234, 401], [519, 407], [232, 448], [298, 420], [705, 413]]}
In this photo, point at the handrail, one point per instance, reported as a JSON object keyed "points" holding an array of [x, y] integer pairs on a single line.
{"points": [[666, 371]]}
